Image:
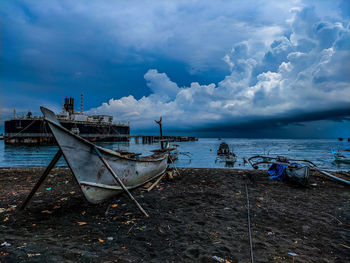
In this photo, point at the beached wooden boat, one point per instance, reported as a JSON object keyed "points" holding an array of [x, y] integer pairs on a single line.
{"points": [[88, 164]]}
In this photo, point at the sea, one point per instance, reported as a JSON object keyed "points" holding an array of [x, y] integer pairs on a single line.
{"points": [[197, 154]]}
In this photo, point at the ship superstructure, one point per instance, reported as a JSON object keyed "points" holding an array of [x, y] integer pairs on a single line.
{"points": [[30, 129]]}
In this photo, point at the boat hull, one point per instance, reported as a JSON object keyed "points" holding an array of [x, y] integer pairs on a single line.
{"points": [[96, 182]]}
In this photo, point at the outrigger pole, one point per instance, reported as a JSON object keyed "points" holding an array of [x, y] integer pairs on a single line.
{"points": [[42, 178], [119, 181]]}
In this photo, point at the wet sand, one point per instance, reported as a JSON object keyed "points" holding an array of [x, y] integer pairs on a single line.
{"points": [[199, 216]]}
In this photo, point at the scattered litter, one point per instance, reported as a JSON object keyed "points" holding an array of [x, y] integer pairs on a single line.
{"points": [[56, 207], [5, 244], [142, 228], [2, 210], [292, 254], [81, 223], [46, 212], [48, 189], [269, 233], [261, 198], [72, 193], [226, 208], [33, 255], [219, 259], [313, 184], [6, 219], [101, 240], [124, 247], [64, 199], [114, 205], [109, 238]]}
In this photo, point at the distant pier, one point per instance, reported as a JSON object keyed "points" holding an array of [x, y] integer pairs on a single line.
{"points": [[157, 138], [47, 138]]}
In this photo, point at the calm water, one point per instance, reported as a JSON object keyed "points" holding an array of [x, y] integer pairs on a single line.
{"points": [[202, 152]]}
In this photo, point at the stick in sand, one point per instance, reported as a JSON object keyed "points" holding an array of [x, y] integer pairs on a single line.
{"points": [[171, 160], [42, 178], [156, 182], [119, 181]]}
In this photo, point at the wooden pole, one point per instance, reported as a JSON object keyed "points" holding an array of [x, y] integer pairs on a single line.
{"points": [[119, 181], [42, 178], [161, 132], [171, 160]]}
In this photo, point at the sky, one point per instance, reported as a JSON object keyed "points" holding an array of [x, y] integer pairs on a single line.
{"points": [[272, 69]]}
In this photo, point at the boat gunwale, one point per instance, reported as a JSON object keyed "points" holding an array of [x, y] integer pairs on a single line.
{"points": [[147, 158]]}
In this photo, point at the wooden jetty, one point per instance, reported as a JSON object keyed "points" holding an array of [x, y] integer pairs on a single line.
{"points": [[157, 138]]}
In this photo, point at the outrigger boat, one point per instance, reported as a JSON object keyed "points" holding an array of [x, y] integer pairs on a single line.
{"points": [[298, 169], [340, 158], [101, 173]]}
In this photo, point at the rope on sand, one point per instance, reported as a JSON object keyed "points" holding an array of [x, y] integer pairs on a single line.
{"points": [[250, 233]]}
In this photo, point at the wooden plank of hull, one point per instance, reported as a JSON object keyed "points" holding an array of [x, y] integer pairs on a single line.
{"points": [[88, 169]]}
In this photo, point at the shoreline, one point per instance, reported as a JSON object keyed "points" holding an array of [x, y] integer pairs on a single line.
{"points": [[196, 216]]}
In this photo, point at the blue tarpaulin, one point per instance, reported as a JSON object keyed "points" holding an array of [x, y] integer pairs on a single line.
{"points": [[277, 172]]}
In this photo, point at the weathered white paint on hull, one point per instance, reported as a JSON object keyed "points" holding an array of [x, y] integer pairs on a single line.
{"points": [[95, 180]]}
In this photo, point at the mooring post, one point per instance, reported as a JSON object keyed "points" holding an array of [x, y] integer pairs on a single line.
{"points": [[161, 132], [42, 178]]}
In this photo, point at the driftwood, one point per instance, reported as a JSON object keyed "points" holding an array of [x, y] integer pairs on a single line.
{"points": [[156, 182]]}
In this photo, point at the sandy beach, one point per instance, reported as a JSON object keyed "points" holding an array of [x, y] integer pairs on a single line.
{"points": [[198, 216]]}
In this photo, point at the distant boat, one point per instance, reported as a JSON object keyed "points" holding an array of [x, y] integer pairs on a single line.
{"points": [[93, 176], [340, 158], [224, 151]]}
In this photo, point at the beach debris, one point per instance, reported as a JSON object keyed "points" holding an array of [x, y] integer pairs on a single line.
{"points": [[293, 255], [101, 240], [219, 259], [33, 255], [124, 248], [109, 238], [48, 188], [46, 212], [5, 244], [344, 246], [6, 219], [2, 210], [141, 228], [81, 223], [130, 229], [155, 183], [115, 205]]}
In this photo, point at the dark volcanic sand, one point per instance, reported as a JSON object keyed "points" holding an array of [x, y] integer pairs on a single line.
{"points": [[193, 217]]}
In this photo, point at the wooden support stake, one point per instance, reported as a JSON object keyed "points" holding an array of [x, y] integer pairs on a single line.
{"points": [[171, 160], [119, 181], [42, 178]]}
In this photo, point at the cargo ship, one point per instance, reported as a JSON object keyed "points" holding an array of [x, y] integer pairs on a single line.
{"points": [[29, 129]]}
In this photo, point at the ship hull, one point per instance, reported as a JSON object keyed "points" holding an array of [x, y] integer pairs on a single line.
{"points": [[36, 131]]}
